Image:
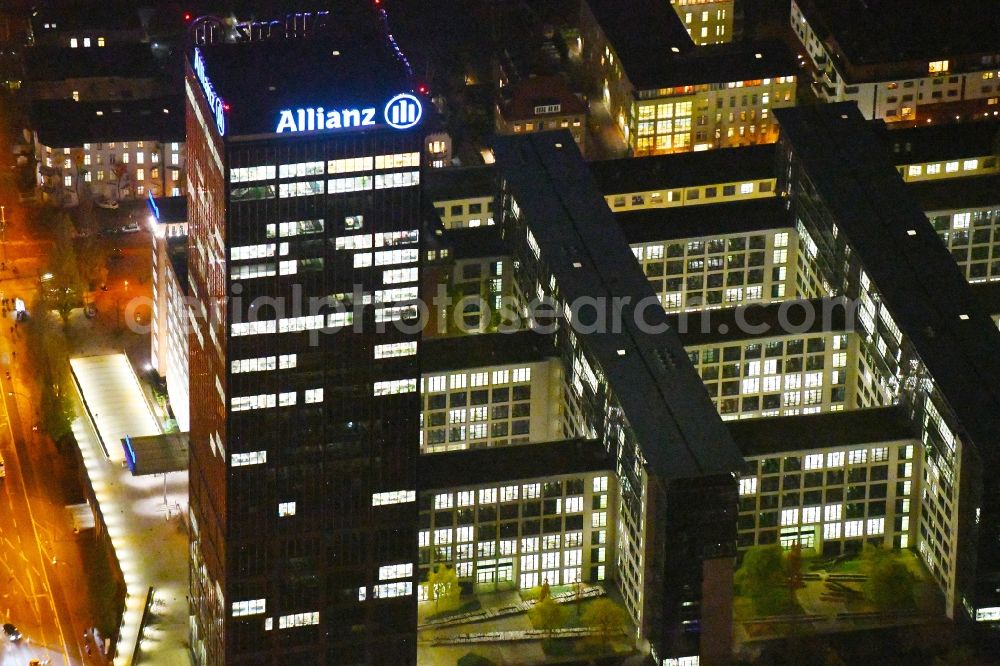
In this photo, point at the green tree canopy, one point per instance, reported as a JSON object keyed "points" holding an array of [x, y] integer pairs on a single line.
{"points": [[606, 616], [762, 567], [63, 291], [443, 587], [546, 614], [50, 359], [889, 583]]}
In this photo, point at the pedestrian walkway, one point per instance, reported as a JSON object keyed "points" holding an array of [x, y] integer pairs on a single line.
{"points": [[481, 615], [144, 519], [522, 635]]}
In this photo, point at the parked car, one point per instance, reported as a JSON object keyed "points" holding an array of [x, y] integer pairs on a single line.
{"points": [[107, 203], [130, 228], [11, 632]]}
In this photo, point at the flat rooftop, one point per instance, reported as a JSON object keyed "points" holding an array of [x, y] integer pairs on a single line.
{"points": [[889, 31], [57, 63], [662, 398], [459, 183], [509, 463], [476, 242], [85, 15], [685, 169], [168, 210], [114, 400], [918, 279], [928, 143], [476, 351], [763, 320], [734, 217], [784, 434], [956, 193], [988, 295], [348, 62], [725, 63], [643, 36], [63, 123]]}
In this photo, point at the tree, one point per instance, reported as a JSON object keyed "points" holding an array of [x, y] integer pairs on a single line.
{"points": [[50, 360], [92, 261], [64, 290], [762, 568], [793, 569], [889, 583], [607, 617], [442, 583], [546, 614]]}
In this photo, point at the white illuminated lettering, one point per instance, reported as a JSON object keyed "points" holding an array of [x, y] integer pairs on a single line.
{"points": [[215, 103], [401, 112], [287, 122]]}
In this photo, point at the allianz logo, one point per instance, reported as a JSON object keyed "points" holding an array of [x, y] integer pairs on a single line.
{"points": [[401, 112]]}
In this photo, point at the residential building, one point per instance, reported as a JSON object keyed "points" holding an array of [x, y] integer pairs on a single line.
{"points": [[89, 24], [905, 62], [462, 197], [114, 72], [540, 103], [169, 317], [683, 100], [708, 21], [304, 434], [116, 150]]}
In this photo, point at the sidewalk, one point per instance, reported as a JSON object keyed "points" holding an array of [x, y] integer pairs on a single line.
{"points": [[151, 545]]}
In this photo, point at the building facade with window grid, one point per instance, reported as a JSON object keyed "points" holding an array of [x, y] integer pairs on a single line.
{"points": [[557, 529], [707, 21], [566, 247], [169, 309], [858, 217], [500, 404], [901, 71], [304, 437], [831, 483]]}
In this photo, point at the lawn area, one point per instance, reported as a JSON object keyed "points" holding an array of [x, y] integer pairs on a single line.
{"points": [[854, 566], [774, 600]]}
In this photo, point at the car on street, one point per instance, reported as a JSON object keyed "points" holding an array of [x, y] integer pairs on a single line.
{"points": [[107, 203], [130, 228], [11, 632]]}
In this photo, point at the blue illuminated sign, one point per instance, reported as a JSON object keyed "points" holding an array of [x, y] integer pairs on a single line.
{"points": [[401, 112], [152, 206], [215, 102], [129, 453]]}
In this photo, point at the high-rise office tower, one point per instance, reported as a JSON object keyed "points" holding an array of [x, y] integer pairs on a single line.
{"points": [[304, 137]]}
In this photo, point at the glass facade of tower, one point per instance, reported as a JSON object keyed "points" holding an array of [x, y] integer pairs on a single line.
{"points": [[305, 389]]}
